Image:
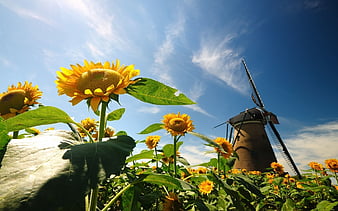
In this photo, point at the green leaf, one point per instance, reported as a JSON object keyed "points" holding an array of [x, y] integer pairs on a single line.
{"points": [[168, 181], [147, 154], [154, 92], [41, 116], [4, 139], [116, 115], [107, 155], [289, 205], [326, 205], [168, 149], [249, 185], [207, 139], [152, 128], [121, 133]]}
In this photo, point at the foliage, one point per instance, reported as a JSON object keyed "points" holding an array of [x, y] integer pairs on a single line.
{"points": [[160, 178]]}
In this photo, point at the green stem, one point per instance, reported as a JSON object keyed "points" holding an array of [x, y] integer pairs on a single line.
{"points": [[111, 202], [175, 169], [93, 198], [102, 125], [218, 164], [156, 159], [15, 134], [91, 140]]}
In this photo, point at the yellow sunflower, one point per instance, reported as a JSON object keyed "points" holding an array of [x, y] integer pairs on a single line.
{"points": [[278, 168], [95, 82], [225, 144], [18, 99], [316, 166], [206, 187], [332, 164], [177, 124], [152, 141], [89, 124]]}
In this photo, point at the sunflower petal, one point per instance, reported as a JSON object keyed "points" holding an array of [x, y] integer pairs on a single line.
{"points": [[76, 100], [94, 103]]}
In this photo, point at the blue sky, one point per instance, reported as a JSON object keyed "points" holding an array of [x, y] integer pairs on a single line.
{"points": [[195, 46]]}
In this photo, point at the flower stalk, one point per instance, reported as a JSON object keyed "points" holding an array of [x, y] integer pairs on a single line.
{"points": [[102, 125]]}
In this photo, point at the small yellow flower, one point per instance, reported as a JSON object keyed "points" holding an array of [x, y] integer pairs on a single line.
{"points": [[109, 132], [299, 185], [89, 124], [235, 171], [316, 166], [177, 124], [225, 144], [278, 168], [332, 164], [152, 141], [206, 187], [95, 82], [255, 172], [201, 170], [18, 99]]}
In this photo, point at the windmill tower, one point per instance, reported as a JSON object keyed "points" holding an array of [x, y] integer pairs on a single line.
{"points": [[251, 142]]}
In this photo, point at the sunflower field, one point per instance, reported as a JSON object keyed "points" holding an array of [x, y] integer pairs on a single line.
{"points": [[158, 178]]}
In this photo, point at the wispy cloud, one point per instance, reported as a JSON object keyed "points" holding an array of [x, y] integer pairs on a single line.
{"points": [[218, 59], [24, 12], [104, 34], [167, 49], [5, 62], [195, 92], [149, 109], [316, 143], [196, 154], [311, 4]]}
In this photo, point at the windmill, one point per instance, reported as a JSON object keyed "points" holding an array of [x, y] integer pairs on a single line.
{"points": [[251, 142]]}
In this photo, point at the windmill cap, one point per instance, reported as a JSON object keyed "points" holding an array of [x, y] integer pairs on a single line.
{"points": [[250, 115]]}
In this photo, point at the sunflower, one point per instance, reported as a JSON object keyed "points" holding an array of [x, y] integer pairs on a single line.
{"points": [[227, 147], [152, 141], [89, 124], [278, 168], [316, 166], [332, 164], [206, 187], [18, 99], [177, 124], [95, 82]]}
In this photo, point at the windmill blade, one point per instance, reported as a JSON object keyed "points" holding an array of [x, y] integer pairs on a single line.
{"points": [[285, 150], [255, 95], [223, 123]]}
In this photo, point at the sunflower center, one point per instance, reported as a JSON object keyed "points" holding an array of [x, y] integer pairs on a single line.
{"points": [[12, 99], [177, 124], [99, 78]]}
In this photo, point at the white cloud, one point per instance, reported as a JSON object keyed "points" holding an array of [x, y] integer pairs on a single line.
{"points": [[316, 143], [166, 49], [26, 12], [104, 33], [5, 62], [195, 92], [196, 154], [218, 59], [149, 109]]}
